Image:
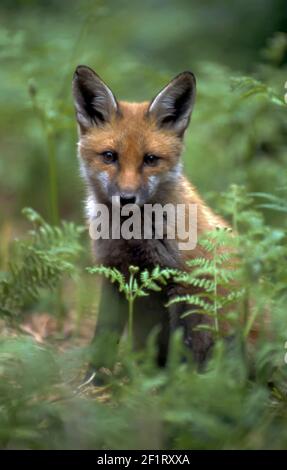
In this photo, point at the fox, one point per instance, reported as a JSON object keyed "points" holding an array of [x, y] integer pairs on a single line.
{"points": [[132, 153]]}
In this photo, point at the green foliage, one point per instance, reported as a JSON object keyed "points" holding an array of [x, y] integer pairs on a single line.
{"points": [[248, 86], [215, 275], [134, 288], [38, 262], [177, 408], [276, 49], [236, 140], [37, 125], [228, 405], [272, 201]]}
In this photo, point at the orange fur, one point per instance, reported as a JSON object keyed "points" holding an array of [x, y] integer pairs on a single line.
{"points": [[133, 131], [131, 135]]}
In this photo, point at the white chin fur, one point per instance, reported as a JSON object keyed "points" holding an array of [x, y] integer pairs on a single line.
{"points": [[90, 207]]}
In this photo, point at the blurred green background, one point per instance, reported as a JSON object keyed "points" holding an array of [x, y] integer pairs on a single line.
{"points": [[238, 51], [137, 47]]}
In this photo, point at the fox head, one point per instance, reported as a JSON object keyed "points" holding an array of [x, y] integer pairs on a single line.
{"points": [[131, 151]]}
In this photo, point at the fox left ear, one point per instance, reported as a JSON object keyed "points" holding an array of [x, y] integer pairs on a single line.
{"points": [[172, 107], [94, 101]]}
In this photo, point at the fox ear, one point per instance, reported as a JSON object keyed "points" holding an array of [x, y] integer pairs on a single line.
{"points": [[172, 107], [94, 101]]}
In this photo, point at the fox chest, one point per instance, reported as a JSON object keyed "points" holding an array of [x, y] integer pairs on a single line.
{"points": [[143, 253]]}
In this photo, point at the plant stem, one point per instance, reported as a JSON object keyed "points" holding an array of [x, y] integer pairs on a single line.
{"points": [[53, 186], [130, 322], [52, 162], [131, 298], [248, 320], [53, 178], [216, 325], [60, 309], [234, 215]]}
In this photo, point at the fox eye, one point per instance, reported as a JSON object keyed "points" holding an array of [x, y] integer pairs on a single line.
{"points": [[151, 160], [109, 157]]}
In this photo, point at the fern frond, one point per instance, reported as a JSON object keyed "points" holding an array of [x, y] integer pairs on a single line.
{"points": [[192, 300], [38, 262]]}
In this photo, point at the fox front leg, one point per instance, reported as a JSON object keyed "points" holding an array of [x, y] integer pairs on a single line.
{"points": [[111, 321], [199, 342]]}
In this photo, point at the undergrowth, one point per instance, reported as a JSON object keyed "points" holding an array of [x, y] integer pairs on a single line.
{"points": [[238, 401], [237, 135]]}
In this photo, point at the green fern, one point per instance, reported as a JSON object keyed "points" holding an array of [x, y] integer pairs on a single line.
{"points": [[272, 201], [249, 86], [136, 286], [38, 262], [211, 276]]}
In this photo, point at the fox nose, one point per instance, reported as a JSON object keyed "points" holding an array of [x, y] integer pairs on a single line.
{"points": [[127, 198]]}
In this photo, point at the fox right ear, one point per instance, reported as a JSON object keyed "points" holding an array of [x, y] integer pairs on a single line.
{"points": [[94, 101], [172, 107]]}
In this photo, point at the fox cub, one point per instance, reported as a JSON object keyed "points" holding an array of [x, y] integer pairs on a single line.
{"points": [[131, 153]]}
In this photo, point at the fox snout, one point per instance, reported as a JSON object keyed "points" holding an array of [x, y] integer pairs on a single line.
{"points": [[126, 195], [129, 186], [127, 198]]}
